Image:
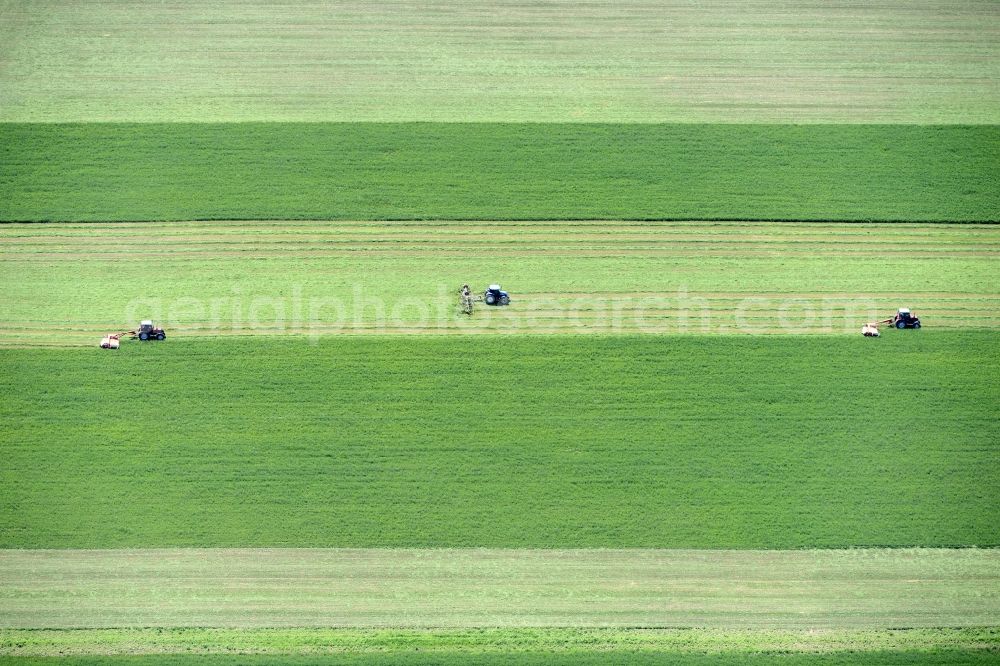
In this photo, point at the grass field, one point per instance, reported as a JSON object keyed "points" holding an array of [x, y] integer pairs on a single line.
{"points": [[323, 465], [108, 172], [70, 284], [901, 61], [552, 441]]}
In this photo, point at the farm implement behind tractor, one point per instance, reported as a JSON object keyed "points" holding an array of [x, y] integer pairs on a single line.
{"points": [[902, 319], [147, 331]]}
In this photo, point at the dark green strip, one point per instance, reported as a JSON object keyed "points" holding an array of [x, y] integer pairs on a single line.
{"points": [[498, 171], [597, 657], [665, 442], [494, 646]]}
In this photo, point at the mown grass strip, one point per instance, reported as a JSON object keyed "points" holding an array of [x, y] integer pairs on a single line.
{"points": [[308, 587], [478, 60], [319, 278], [405, 171], [569, 441]]}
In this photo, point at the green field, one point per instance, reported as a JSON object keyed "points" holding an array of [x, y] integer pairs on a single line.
{"points": [[343, 171], [672, 447], [902, 61], [614, 441]]}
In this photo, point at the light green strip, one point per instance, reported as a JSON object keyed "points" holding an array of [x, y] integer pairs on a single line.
{"points": [[322, 278], [253, 588], [898, 61]]}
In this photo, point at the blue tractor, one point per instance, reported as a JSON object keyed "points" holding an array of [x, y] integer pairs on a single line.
{"points": [[494, 295]]}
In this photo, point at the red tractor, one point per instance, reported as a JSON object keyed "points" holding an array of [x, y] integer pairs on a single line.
{"points": [[903, 319], [148, 331]]}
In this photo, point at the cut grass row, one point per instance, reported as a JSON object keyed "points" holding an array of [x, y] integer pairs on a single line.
{"points": [[472, 60], [72, 283], [665, 442], [251, 588], [343, 171]]}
